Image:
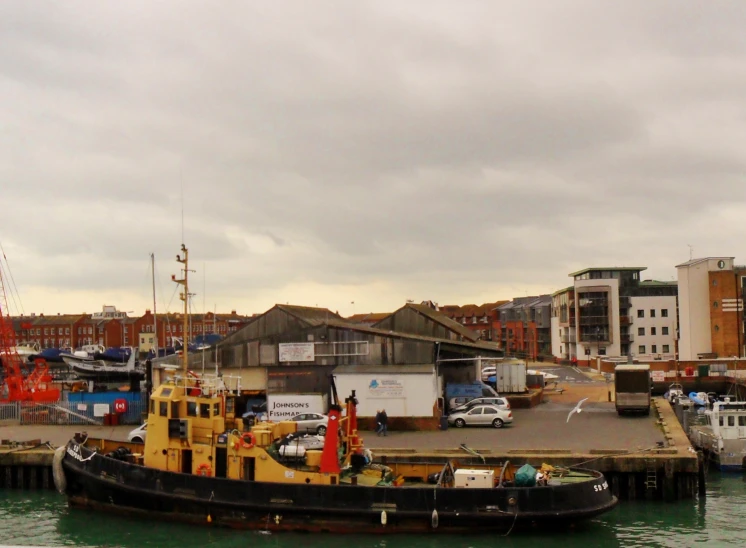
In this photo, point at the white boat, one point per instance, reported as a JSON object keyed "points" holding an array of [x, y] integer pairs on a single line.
{"points": [[26, 349], [548, 377], [675, 391], [723, 436], [104, 369]]}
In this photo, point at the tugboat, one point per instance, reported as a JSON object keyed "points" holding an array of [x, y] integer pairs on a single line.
{"points": [[193, 468]]}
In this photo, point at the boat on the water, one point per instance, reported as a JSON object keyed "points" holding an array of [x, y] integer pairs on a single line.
{"points": [[196, 467], [723, 436]]}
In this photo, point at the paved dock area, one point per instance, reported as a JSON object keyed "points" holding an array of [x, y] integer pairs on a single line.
{"points": [[596, 428]]}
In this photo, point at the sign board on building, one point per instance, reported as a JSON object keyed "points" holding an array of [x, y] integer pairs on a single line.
{"points": [[100, 409], [658, 376], [297, 352], [382, 387], [285, 406]]}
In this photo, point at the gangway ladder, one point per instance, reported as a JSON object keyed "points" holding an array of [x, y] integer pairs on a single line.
{"points": [[651, 475]]}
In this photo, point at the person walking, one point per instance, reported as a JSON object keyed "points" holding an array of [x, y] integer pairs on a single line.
{"points": [[384, 423], [379, 423]]}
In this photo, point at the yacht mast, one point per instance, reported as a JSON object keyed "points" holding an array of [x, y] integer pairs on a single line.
{"points": [[184, 296], [155, 313]]}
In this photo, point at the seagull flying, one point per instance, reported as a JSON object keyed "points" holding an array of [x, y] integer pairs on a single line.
{"points": [[576, 409]]}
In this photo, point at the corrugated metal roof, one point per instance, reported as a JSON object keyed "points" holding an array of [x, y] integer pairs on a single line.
{"points": [[444, 320], [399, 335], [369, 317], [384, 369], [309, 314]]}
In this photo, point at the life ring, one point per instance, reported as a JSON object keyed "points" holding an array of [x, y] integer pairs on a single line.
{"points": [[248, 440], [204, 470]]}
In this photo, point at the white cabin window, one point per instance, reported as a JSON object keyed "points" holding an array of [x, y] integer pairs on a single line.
{"points": [[731, 421], [741, 420]]}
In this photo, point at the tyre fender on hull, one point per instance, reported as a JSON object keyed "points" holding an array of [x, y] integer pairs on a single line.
{"points": [[58, 473]]}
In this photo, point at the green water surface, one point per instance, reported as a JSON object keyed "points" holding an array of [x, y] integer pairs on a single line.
{"points": [[32, 518]]}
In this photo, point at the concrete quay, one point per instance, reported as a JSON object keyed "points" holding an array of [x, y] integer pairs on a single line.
{"points": [[642, 456]]}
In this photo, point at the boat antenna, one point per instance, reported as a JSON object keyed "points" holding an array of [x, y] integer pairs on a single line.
{"points": [[184, 296], [155, 312]]}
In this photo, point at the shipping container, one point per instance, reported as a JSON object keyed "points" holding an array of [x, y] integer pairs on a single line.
{"points": [[510, 377]]}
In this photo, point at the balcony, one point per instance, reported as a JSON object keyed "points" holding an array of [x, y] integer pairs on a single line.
{"points": [[571, 338], [625, 320], [594, 320], [594, 339], [627, 338]]}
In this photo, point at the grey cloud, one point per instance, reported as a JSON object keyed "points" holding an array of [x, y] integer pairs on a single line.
{"points": [[426, 145]]}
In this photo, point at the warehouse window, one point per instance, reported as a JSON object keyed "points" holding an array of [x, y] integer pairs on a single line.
{"points": [[641, 349]]}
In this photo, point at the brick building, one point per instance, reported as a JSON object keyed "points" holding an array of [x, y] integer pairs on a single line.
{"points": [[711, 293]]}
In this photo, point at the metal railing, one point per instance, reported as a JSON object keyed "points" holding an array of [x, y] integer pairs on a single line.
{"points": [[65, 412]]}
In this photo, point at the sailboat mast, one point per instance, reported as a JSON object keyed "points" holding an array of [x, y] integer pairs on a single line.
{"points": [[184, 296], [155, 312]]}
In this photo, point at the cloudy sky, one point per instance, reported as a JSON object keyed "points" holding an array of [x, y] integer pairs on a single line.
{"points": [[369, 152]]}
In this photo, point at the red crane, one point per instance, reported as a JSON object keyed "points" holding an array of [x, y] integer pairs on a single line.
{"points": [[35, 387]]}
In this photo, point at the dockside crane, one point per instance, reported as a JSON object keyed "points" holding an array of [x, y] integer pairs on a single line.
{"points": [[34, 387]]}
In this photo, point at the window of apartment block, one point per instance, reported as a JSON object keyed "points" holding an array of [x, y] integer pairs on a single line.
{"points": [[46, 331], [652, 312], [67, 331], [666, 349], [641, 331], [641, 349], [654, 348], [640, 313], [652, 332], [664, 331], [664, 312]]}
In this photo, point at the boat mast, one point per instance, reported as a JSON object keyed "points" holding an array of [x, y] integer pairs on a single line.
{"points": [[155, 313], [184, 296]]}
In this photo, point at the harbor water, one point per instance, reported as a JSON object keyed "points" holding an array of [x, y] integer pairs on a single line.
{"points": [[34, 518]]}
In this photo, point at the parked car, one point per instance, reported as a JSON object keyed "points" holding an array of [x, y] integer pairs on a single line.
{"points": [[311, 422], [481, 415], [138, 434], [500, 402], [489, 371], [458, 401]]}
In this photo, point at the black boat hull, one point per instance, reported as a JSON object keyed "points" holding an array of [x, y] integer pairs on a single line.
{"points": [[103, 483]]}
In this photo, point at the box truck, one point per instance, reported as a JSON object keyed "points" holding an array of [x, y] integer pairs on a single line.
{"points": [[632, 387]]}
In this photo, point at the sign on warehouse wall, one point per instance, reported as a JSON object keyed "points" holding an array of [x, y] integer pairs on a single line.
{"points": [[382, 387], [297, 352], [285, 406]]}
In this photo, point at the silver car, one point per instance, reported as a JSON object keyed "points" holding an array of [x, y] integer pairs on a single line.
{"points": [[481, 415], [497, 401], [311, 422], [138, 434]]}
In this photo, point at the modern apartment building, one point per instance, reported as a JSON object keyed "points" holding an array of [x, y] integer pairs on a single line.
{"points": [[711, 293], [611, 312]]}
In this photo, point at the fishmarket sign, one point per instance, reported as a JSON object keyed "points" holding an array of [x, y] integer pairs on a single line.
{"points": [[385, 388]]}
